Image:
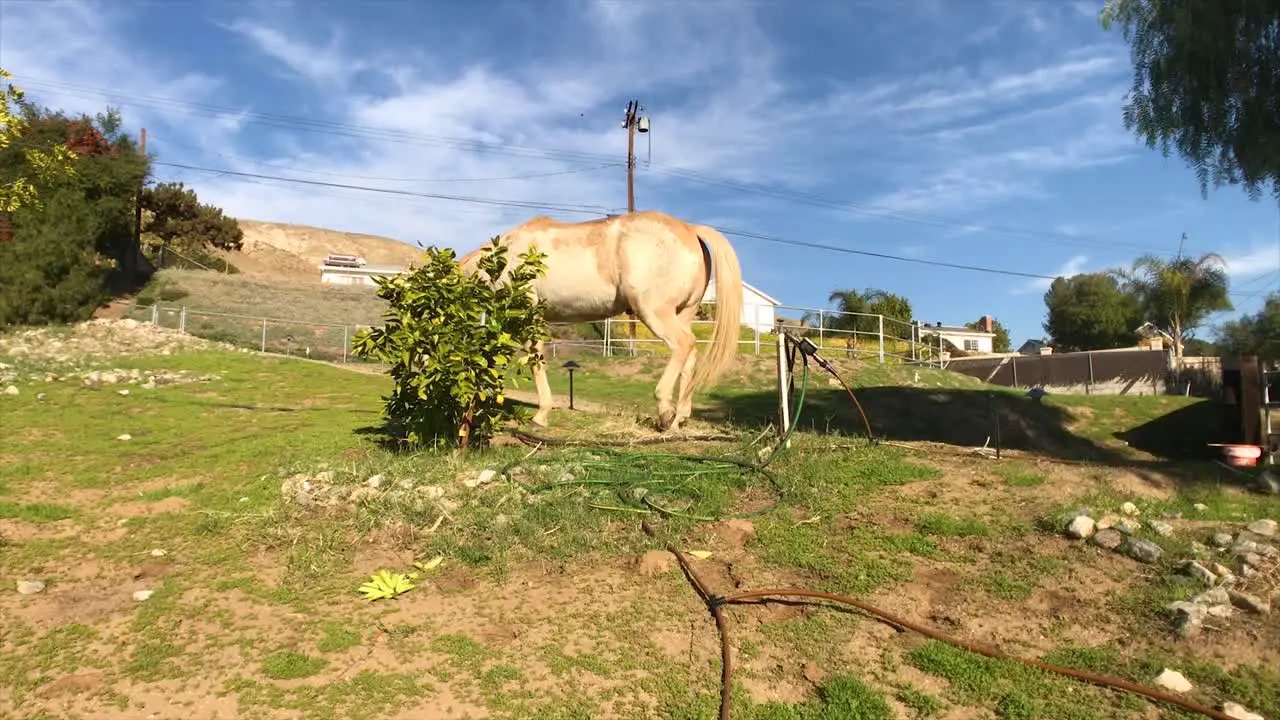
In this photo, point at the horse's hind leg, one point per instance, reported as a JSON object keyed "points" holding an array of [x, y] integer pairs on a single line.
{"points": [[684, 406], [679, 338]]}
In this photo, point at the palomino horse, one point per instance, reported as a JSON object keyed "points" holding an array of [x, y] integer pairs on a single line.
{"points": [[648, 262]]}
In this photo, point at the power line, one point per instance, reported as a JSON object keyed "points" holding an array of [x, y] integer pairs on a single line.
{"points": [[340, 129], [585, 210]]}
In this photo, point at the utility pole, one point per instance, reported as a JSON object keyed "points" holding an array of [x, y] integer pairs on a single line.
{"points": [[632, 122], [133, 260]]}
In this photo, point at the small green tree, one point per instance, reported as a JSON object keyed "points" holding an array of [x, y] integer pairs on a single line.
{"points": [[175, 217], [1091, 312], [451, 339], [1178, 295], [48, 164]]}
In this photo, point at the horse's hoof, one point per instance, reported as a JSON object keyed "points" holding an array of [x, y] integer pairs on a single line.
{"points": [[666, 420], [539, 420]]}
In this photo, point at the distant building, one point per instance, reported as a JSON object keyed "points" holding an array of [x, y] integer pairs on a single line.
{"points": [[353, 270], [1034, 347], [758, 309], [980, 341]]}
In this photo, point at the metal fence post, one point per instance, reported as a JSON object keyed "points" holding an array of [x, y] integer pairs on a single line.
{"points": [[1090, 356], [155, 314], [344, 343], [264, 334], [605, 349], [757, 335], [821, 322], [182, 320], [880, 319]]}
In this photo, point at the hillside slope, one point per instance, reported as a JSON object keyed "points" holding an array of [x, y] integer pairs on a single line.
{"points": [[284, 251]]}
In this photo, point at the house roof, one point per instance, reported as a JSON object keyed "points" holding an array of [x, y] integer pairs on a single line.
{"points": [[954, 330]]}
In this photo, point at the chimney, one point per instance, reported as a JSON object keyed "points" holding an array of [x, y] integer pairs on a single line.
{"points": [[985, 324]]}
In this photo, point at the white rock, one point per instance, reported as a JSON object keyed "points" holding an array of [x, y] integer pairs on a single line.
{"points": [[159, 552], [1081, 527], [1200, 507], [1128, 526], [143, 595], [123, 392], [1201, 573], [41, 396], [485, 476], [30, 587], [1161, 528], [1239, 712], [1129, 509], [1107, 521], [1222, 539], [1173, 680], [375, 481], [1266, 528], [125, 436], [12, 390]]}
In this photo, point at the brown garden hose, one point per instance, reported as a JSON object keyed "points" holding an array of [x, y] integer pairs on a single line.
{"points": [[716, 603]]}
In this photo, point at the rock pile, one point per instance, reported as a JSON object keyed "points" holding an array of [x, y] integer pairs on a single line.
{"points": [[97, 340], [1226, 567]]}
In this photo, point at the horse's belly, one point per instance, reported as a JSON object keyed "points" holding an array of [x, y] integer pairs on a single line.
{"points": [[579, 302]]}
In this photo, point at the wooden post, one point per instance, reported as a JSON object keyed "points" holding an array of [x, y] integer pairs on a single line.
{"points": [[880, 320]]}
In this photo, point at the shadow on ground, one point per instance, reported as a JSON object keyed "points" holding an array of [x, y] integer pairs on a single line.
{"points": [[1183, 434], [966, 418]]}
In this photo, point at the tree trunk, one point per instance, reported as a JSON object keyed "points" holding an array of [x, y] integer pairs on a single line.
{"points": [[1177, 337]]}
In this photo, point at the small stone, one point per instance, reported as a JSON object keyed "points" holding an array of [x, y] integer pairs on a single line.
{"points": [[123, 392], [30, 587], [431, 492], [12, 390], [484, 477], [1081, 527], [1128, 526], [1173, 680], [1143, 550], [1221, 611], [1247, 572], [1222, 540], [655, 562], [1251, 560], [1213, 596], [1200, 507], [125, 436], [1244, 546], [1199, 549], [1189, 620], [148, 385], [1108, 539], [1201, 573], [159, 552], [1239, 712], [1163, 529], [375, 481], [1129, 509], [1108, 521], [143, 595], [1252, 603]]}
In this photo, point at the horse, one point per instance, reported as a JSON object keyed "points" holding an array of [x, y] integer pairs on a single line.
{"points": [[646, 262]]}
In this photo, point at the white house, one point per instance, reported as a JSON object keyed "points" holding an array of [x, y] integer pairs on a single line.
{"points": [[758, 309], [352, 270], [980, 341]]}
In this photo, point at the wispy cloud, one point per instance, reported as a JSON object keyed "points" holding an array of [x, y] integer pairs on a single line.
{"points": [[1258, 260], [1075, 266]]}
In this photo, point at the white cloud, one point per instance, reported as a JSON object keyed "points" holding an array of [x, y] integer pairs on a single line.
{"points": [[1075, 266], [1259, 260]]}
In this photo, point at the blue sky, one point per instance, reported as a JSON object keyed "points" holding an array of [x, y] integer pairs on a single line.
{"points": [[981, 132]]}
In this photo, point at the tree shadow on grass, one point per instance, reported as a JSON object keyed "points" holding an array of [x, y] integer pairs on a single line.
{"points": [[394, 438], [965, 418]]}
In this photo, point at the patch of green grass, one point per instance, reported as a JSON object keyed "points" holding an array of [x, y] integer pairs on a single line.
{"points": [[1017, 474], [842, 697], [366, 694], [153, 660], [1012, 690], [921, 704], [336, 637], [35, 512], [290, 665], [944, 525]]}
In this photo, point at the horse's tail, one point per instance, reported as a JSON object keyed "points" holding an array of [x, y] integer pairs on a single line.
{"points": [[725, 335]]}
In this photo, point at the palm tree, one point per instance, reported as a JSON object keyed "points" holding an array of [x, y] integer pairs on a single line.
{"points": [[1178, 295]]}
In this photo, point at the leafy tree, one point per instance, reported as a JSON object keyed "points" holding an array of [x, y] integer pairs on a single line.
{"points": [[174, 216], [1207, 82], [1178, 295], [1257, 334], [855, 311], [1091, 312], [39, 163], [1001, 342], [66, 249], [451, 339]]}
